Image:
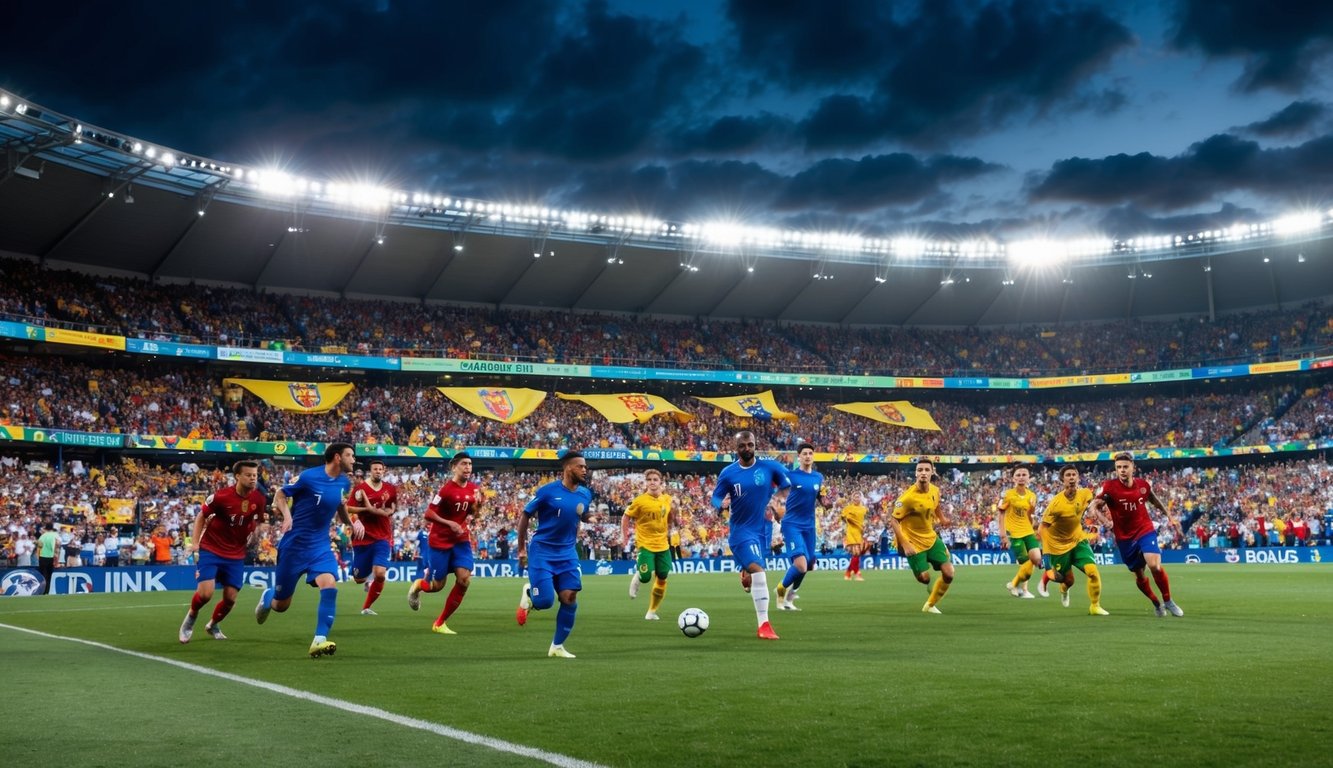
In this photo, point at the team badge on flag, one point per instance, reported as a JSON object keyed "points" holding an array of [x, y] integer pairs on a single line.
{"points": [[898, 413], [503, 404], [305, 395], [760, 406], [298, 396], [630, 406]]}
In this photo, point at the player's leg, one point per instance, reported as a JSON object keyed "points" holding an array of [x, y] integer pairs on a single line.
{"points": [[1132, 556], [567, 582], [463, 563], [643, 572], [748, 554], [206, 574], [379, 573], [660, 570], [1085, 562], [1018, 549], [938, 557], [224, 606], [292, 564], [808, 544], [325, 579], [1152, 558], [440, 565]]}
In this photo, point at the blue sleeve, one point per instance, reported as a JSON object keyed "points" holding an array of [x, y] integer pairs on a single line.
{"points": [[780, 476], [531, 508], [720, 492], [290, 490]]}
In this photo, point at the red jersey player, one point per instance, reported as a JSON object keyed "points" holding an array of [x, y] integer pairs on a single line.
{"points": [[457, 501], [1126, 498], [374, 502], [221, 530]]}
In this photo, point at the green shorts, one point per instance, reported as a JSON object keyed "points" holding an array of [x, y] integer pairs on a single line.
{"points": [[935, 557], [1077, 557], [654, 562], [1019, 546]]}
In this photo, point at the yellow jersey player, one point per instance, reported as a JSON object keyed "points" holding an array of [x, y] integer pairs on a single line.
{"points": [[914, 516], [853, 539], [1016, 507], [651, 513], [1066, 544]]}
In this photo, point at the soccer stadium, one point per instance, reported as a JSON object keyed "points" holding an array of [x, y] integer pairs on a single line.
{"points": [[683, 491]]}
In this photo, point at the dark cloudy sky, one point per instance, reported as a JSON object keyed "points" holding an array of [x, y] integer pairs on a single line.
{"points": [[997, 116]]}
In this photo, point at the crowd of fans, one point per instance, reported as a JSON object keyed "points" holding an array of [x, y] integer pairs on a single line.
{"points": [[1284, 503], [191, 401], [237, 317]]}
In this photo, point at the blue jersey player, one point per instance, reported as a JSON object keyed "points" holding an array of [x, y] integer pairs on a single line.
{"points": [[798, 524], [308, 506], [551, 559], [755, 489]]}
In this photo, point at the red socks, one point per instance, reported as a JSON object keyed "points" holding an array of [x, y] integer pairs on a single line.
{"points": [[373, 593], [1163, 583], [451, 603], [1145, 587], [223, 608], [196, 603]]}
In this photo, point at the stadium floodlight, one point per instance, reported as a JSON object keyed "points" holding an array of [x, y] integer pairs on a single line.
{"points": [[4, 102], [1300, 258], [910, 247], [1036, 253], [1297, 223]]}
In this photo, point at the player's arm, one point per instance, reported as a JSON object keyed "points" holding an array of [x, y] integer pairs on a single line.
{"points": [[624, 525], [944, 514], [200, 520], [283, 508], [904, 546], [434, 517], [1156, 502], [358, 528], [1097, 507], [521, 552]]}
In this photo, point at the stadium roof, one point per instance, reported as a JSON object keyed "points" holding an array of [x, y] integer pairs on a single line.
{"points": [[79, 195]]}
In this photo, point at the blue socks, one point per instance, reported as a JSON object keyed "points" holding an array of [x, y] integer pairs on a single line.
{"points": [[793, 578], [328, 608], [266, 599], [564, 622]]}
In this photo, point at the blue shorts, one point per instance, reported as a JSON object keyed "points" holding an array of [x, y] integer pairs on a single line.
{"points": [[748, 550], [367, 556], [1133, 550], [551, 577], [799, 542], [294, 561], [225, 570], [445, 561]]}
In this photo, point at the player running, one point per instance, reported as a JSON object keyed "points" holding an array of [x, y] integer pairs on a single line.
{"points": [[913, 521], [756, 489], [223, 527], [553, 571], [1126, 498], [653, 520], [374, 502], [798, 524], [316, 497], [1017, 506], [1067, 546], [853, 536], [454, 506]]}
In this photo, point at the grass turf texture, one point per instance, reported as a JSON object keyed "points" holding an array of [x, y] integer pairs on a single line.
{"points": [[860, 678]]}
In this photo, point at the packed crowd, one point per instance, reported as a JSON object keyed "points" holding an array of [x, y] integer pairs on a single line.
{"points": [[187, 400], [1285, 503], [232, 316]]}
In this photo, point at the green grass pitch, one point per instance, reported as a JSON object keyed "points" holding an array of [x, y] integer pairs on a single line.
{"points": [[860, 677]]}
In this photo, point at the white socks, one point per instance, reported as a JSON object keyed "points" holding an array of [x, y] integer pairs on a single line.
{"points": [[759, 593]]}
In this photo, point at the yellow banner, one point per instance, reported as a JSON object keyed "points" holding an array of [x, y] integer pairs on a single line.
{"points": [[85, 339], [118, 511], [1282, 367], [1046, 382], [899, 413], [298, 396], [503, 404], [760, 405], [630, 406]]}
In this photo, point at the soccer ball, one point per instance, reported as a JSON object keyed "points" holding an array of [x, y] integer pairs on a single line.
{"points": [[693, 622]]}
